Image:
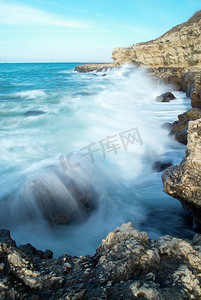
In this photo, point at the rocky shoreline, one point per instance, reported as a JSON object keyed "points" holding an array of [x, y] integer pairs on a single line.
{"points": [[187, 80], [93, 67], [127, 264]]}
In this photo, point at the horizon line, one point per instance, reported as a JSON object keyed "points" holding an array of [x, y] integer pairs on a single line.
{"points": [[60, 62]]}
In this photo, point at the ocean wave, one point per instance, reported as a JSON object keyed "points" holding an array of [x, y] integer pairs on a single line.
{"points": [[66, 72], [31, 94]]}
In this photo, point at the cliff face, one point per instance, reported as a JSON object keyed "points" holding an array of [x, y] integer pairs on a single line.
{"points": [[184, 181], [175, 57], [179, 47]]}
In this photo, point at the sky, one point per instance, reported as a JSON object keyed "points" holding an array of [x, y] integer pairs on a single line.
{"points": [[83, 30]]}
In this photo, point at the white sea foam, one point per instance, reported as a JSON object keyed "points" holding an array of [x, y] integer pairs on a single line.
{"points": [[31, 94]]}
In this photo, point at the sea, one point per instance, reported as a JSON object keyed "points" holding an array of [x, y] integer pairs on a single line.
{"points": [[103, 131]]}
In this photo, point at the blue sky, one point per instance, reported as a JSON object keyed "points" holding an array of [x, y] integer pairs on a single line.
{"points": [[83, 30]]}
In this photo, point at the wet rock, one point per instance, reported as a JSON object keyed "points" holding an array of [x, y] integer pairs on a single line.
{"points": [[127, 265], [187, 80], [162, 162], [159, 166], [31, 251], [30, 113], [167, 126], [93, 67], [57, 198], [192, 114], [6, 238], [166, 97], [180, 127], [183, 182]]}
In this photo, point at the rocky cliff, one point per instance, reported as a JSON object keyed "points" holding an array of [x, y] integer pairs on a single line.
{"points": [[174, 58], [184, 181], [179, 47]]}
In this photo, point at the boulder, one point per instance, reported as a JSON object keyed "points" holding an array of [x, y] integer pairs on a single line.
{"points": [[55, 197], [183, 182], [180, 127], [166, 97], [167, 126]]}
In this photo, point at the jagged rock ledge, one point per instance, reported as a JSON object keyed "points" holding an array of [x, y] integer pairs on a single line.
{"points": [[187, 80], [127, 265], [93, 67]]}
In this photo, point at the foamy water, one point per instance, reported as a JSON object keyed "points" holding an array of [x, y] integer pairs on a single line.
{"points": [[111, 128]]}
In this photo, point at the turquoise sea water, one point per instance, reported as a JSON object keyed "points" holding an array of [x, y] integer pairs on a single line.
{"points": [[48, 111]]}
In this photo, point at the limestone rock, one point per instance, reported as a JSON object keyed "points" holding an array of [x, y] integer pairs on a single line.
{"points": [[127, 265], [173, 58], [184, 181], [180, 127], [179, 47]]}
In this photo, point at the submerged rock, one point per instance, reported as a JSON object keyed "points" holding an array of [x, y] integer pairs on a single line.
{"points": [[167, 125], [166, 97], [127, 265], [159, 166], [55, 197], [180, 127], [162, 162], [30, 113], [183, 182]]}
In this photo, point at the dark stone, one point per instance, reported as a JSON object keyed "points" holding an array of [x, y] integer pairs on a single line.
{"points": [[159, 166], [166, 97], [127, 265], [6, 238], [48, 254], [31, 251], [30, 113], [179, 128], [93, 67], [181, 137], [167, 126], [57, 198]]}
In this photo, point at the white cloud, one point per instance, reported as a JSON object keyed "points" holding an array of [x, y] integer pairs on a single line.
{"points": [[20, 14]]}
